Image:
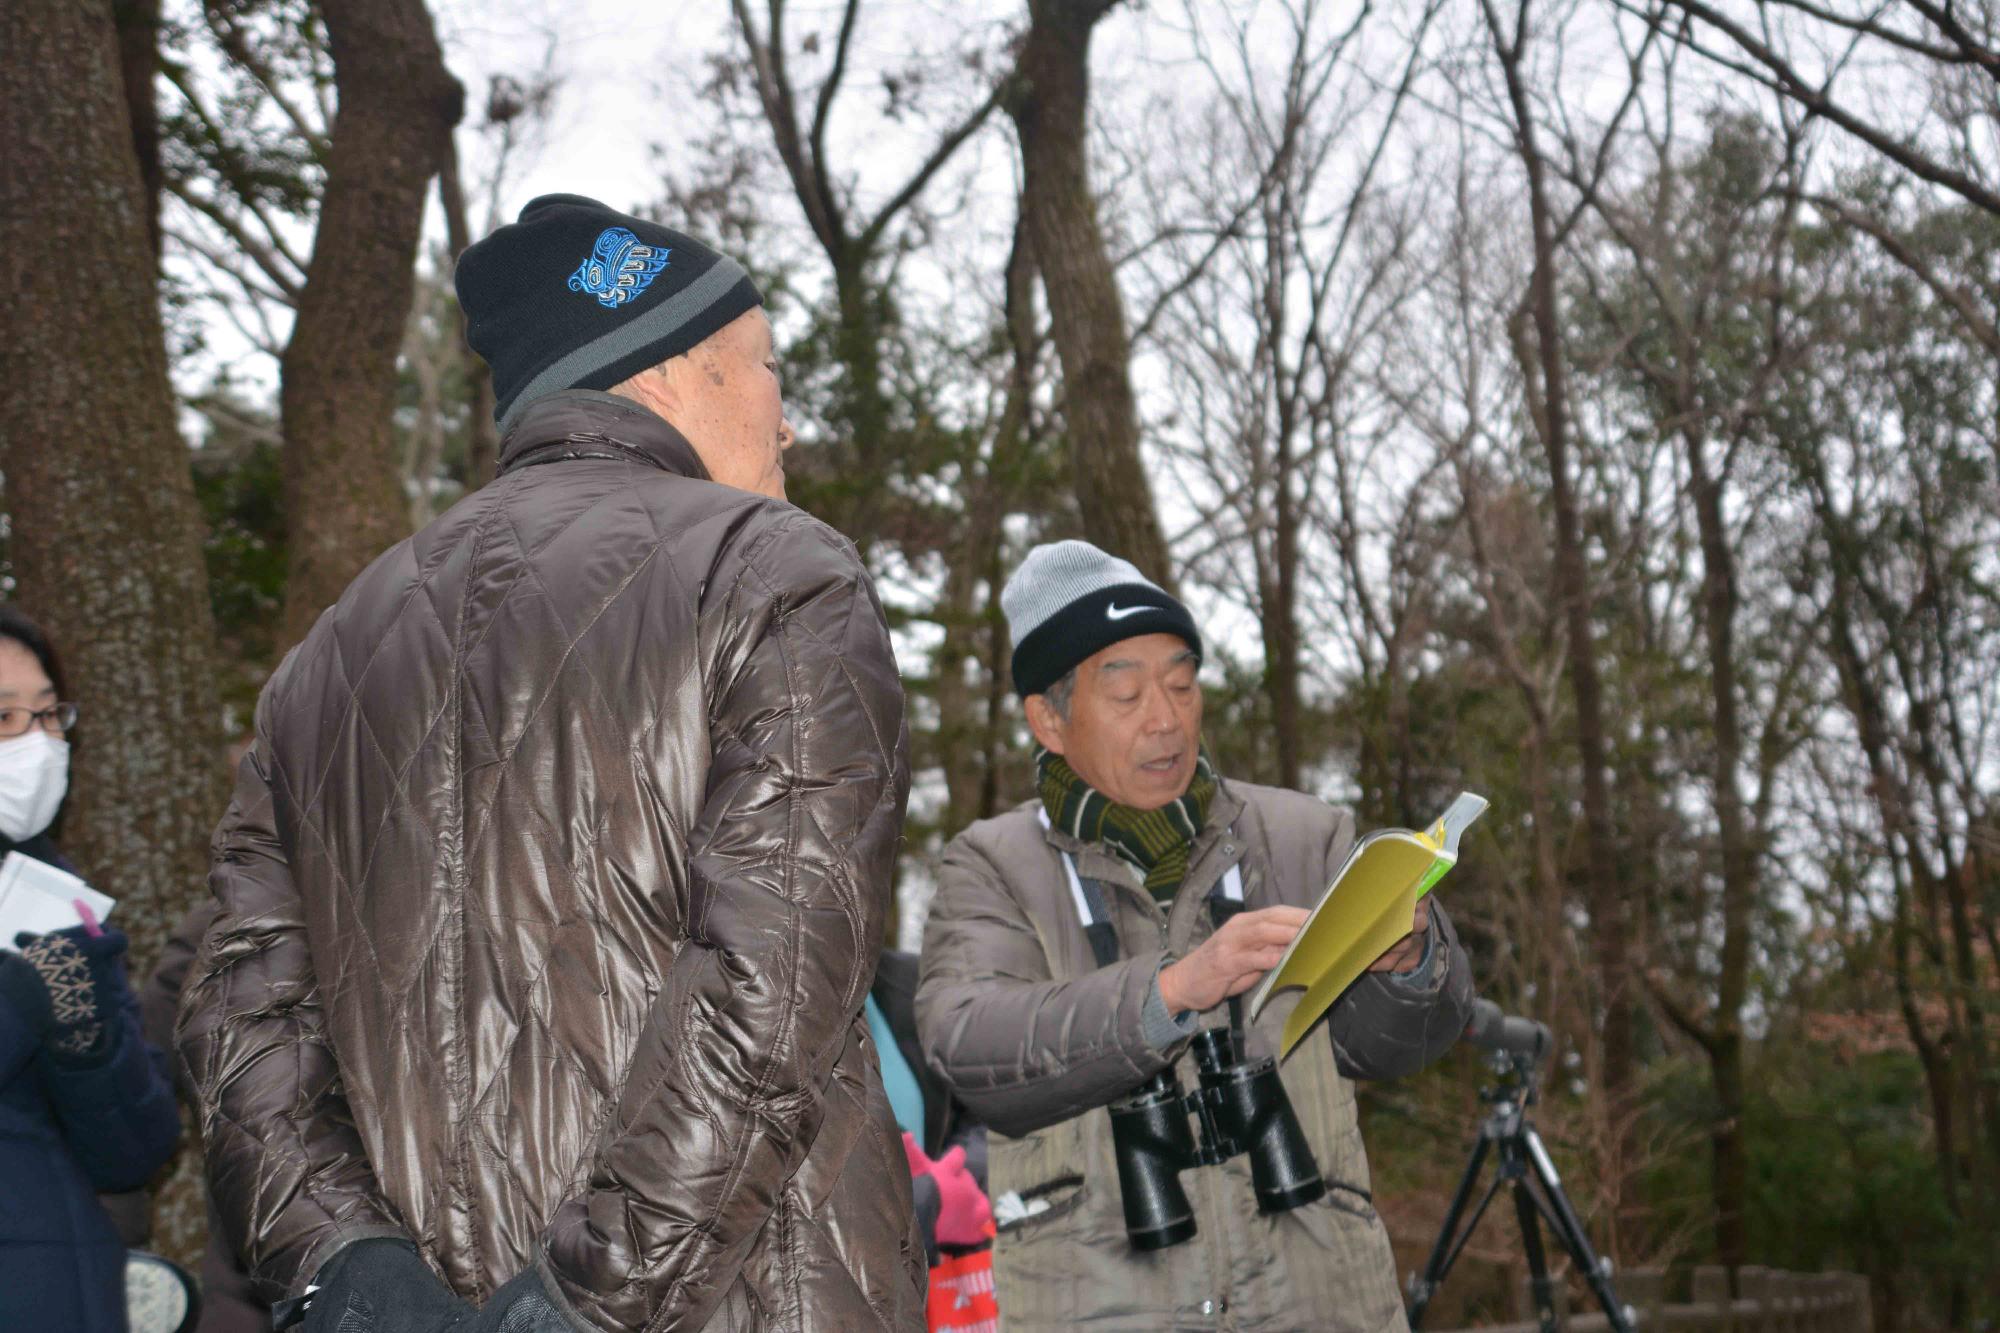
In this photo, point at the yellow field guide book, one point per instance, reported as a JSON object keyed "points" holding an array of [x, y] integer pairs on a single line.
{"points": [[1370, 905]]}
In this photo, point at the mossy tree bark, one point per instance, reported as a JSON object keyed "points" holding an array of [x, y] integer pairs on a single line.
{"points": [[105, 540]]}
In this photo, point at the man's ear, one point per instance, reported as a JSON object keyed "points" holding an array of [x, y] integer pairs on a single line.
{"points": [[1049, 726], [667, 381], [654, 388]]}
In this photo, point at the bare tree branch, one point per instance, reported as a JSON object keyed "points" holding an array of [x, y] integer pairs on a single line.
{"points": [[285, 276], [871, 235], [1780, 75], [231, 38]]}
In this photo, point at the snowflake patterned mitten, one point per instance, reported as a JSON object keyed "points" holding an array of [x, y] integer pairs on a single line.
{"points": [[66, 983]]}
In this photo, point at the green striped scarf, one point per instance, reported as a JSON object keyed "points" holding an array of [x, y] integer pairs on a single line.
{"points": [[1156, 841]]}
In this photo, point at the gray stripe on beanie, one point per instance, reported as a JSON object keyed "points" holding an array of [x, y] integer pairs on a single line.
{"points": [[1054, 575], [656, 325]]}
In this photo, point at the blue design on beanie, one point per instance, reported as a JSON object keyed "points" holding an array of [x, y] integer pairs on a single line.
{"points": [[619, 268]]}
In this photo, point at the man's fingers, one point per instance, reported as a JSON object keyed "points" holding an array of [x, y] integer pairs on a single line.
{"points": [[1400, 956], [1236, 957], [1293, 917], [1248, 967], [1246, 980], [1265, 937], [1261, 929]]}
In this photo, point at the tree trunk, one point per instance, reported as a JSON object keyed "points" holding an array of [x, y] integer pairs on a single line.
{"points": [[106, 540], [861, 404], [1086, 314], [1739, 859], [138, 65], [1280, 626], [1538, 344], [482, 449], [398, 104], [969, 736], [1279, 601]]}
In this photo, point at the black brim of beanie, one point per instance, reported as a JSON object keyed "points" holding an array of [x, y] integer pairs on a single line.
{"points": [[1092, 623]]}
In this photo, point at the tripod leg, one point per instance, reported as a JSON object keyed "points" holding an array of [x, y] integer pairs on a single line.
{"points": [[1424, 1286], [1527, 1211], [1569, 1231]]}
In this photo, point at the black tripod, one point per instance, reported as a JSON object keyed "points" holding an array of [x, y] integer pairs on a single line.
{"points": [[1518, 1045]]}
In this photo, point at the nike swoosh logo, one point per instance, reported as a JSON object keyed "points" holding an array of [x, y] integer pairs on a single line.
{"points": [[1117, 612]]}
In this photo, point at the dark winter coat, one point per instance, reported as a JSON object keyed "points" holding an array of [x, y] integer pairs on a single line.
{"points": [[551, 892], [228, 1304], [68, 1129]]}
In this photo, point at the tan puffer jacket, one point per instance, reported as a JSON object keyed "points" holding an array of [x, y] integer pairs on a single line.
{"points": [[1015, 1014], [550, 893]]}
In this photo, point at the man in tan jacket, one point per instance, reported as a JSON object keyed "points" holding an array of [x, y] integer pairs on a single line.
{"points": [[1037, 1036], [554, 882]]}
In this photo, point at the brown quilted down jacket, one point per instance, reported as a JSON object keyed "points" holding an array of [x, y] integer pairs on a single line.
{"points": [[550, 894]]}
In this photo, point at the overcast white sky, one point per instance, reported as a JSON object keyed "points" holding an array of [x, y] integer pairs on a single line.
{"points": [[612, 59], [628, 84]]}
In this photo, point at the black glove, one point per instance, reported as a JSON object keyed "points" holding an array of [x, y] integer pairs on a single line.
{"points": [[526, 1305], [67, 984], [377, 1286]]}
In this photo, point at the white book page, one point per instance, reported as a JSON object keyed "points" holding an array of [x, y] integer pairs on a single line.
{"points": [[37, 897], [1458, 818]]}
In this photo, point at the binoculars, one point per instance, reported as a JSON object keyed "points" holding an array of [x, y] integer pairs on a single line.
{"points": [[1240, 1107]]}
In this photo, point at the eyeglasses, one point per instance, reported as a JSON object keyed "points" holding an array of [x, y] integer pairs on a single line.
{"points": [[20, 721]]}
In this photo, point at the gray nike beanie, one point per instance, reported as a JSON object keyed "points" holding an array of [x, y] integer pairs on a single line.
{"points": [[1069, 600]]}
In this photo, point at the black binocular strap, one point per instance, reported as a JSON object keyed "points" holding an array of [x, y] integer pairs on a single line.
{"points": [[1103, 939], [1091, 908]]}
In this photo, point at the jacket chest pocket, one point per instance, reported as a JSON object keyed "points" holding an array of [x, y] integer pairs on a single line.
{"points": [[1042, 1207]]}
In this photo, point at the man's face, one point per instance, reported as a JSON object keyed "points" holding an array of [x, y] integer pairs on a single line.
{"points": [[1134, 723], [725, 397]]}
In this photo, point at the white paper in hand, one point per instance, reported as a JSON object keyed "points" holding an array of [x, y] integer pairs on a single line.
{"points": [[35, 896]]}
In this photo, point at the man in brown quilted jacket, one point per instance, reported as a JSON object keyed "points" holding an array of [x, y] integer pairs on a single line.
{"points": [[554, 881], [1072, 951]]}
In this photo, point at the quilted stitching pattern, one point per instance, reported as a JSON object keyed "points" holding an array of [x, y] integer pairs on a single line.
{"points": [[550, 894]]}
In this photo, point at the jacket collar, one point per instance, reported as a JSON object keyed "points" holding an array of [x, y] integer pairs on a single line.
{"points": [[583, 423]]}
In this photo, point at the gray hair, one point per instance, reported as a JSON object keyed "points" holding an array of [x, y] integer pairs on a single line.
{"points": [[1060, 693]]}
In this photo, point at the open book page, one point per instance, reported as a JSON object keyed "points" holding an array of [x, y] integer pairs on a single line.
{"points": [[37, 897], [1371, 904], [1444, 835]]}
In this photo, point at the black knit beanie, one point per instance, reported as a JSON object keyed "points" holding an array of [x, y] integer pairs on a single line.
{"points": [[576, 296]]}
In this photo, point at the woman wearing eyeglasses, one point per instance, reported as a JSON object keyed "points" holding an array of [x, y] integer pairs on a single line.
{"points": [[85, 1103]]}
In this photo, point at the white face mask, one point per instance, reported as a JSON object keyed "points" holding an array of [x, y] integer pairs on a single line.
{"points": [[34, 777]]}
